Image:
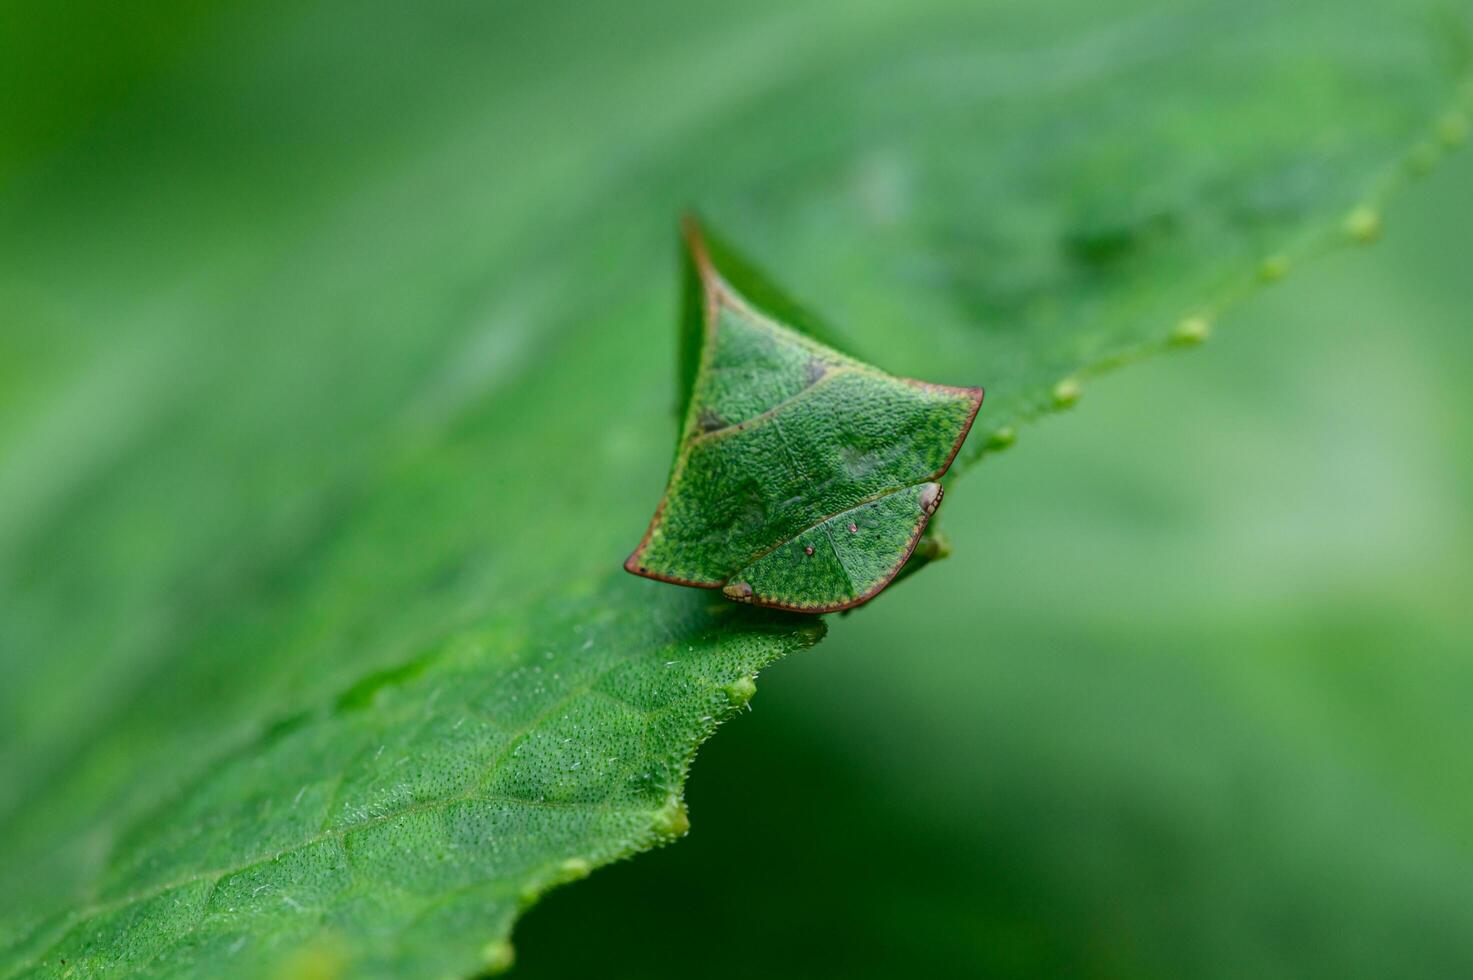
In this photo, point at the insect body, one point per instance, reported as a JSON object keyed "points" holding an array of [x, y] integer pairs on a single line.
{"points": [[803, 478]]}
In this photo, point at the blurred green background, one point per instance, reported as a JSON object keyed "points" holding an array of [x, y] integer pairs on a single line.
{"points": [[1193, 697]]}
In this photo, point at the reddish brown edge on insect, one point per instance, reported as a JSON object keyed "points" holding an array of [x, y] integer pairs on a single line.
{"points": [[716, 289]]}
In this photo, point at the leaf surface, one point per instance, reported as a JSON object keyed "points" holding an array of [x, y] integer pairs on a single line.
{"points": [[334, 388]]}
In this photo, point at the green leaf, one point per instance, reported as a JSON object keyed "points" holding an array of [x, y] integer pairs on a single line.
{"points": [[1206, 630], [333, 386], [803, 479], [432, 800]]}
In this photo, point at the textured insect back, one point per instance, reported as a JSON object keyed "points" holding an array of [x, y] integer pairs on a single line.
{"points": [[803, 478]]}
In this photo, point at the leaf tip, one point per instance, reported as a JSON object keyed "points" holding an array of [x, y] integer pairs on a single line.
{"points": [[1191, 331], [1424, 157], [1452, 129], [498, 957], [1066, 393], [740, 691], [574, 869], [1000, 439], [1363, 224], [672, 821], [1274, 267]]}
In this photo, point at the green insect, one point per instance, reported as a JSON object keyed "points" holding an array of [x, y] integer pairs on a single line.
{"points": [[803, 479]]}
